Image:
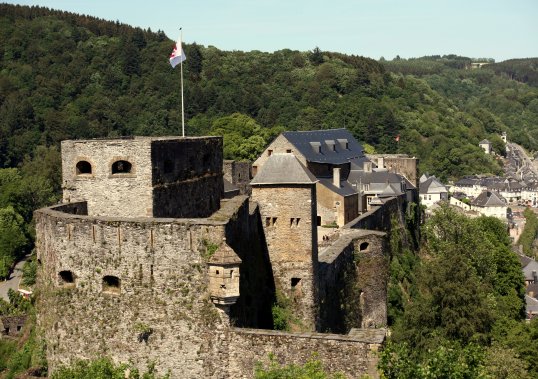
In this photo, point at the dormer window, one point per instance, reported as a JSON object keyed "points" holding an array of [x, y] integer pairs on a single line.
{"points": [[344, 144], [316, 146], [331, 145], [121, 167], [83, 167]]}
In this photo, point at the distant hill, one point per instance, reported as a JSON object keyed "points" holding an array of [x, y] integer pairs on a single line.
{"points": [[522, 70], [71, 76]]}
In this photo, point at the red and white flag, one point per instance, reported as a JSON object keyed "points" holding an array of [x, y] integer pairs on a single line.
{"points": [[178, 55]]}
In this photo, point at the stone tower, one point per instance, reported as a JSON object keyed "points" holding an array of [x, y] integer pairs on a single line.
{"points": [[286, 193], [143, 176]]}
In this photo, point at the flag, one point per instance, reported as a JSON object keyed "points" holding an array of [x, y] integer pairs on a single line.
{"points": [[178, 55]]}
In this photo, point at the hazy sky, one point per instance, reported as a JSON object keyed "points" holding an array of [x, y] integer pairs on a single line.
{"points": [[499, 29]]}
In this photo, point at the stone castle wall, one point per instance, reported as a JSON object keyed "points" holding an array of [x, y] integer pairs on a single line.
{"points": [[107, 194], [400, 164], [352, 272], [187, 176], [288, 219], [353, 355], [161, 169], [161, 311], [239, 174]]}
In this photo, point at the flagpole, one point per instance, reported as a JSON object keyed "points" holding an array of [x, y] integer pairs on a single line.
{"points": [[182, 104]]}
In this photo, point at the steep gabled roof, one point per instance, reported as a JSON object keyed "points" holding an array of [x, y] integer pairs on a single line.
{"points": [[489, 199], [432, 185], [345, 188], [484, 142], [390, 190], [283, 169], [334, 146]]}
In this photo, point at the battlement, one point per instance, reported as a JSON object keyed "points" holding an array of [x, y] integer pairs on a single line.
{"points": [[144, 176]]}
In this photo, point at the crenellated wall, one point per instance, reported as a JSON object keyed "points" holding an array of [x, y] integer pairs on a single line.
{"points": [[160, 312]]}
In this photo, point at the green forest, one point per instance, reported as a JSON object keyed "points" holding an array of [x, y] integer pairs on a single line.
{"points": [[66, 76]]}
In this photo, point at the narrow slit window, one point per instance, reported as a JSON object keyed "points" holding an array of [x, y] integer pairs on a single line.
{"points": [[268, 221], [274, 221]]}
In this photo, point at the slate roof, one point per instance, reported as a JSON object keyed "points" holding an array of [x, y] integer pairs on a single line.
{"points": [[529, 268], [383, 177], [531, 304], [432, 185], [488, 199], [283, 169], [391, 189], [345, 188], [326, 146]]}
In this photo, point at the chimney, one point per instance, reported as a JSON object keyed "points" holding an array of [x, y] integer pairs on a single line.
{"points": [[367, 166], [535, 276], [336, 176], [380, 162]]}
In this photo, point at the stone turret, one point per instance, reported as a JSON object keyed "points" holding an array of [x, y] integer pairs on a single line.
{"points": [[224, 275]]}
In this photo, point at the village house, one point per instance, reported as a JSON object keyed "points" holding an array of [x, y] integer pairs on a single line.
{"points": [[431, 190], [486, 145]]}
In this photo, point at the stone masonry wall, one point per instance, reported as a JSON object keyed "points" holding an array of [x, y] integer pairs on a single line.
{"points": [[239, 174], [400, 164], [353, 276], [107, 194], [187, 176], [161, 312], [352, 355], [288, 215]]}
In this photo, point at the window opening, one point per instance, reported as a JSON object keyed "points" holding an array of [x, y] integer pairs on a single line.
{"points": [[269, 152], [66, 277], [364, 246], [121, 167], [273, 221], [318, 219], [111, 284], [84, 167], [295, 282]]}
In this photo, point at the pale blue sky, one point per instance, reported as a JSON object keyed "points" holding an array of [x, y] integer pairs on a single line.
{"points": [[499, 29]]}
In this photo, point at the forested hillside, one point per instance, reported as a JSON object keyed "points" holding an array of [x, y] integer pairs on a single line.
{"points": [[70, 76]]}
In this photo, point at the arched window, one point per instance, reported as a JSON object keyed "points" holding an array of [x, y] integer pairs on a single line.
{"points": [[364, 246], [66, 278], [111, 284], [121, 167], [84, 167]]}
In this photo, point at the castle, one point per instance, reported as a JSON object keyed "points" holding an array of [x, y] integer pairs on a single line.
{"points": [[151, 258]]}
